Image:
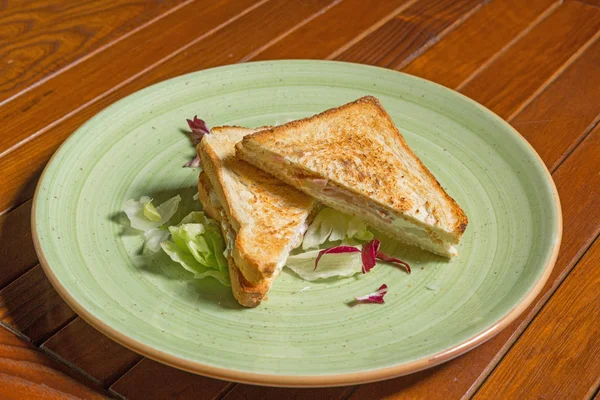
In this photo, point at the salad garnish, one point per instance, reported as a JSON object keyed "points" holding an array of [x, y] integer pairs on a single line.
{"points": [[335, 250], [199, 129], [375, 297]]}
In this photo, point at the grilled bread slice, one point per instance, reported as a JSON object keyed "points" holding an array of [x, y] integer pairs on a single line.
{"points": [[262, 218], [245, 293], [354, 159]]}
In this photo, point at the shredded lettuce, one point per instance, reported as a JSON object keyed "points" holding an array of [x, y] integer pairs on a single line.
{"points": [[151, 212], [332, 225], [340, 265], [329, 229], [154, 238], [196, 243]]}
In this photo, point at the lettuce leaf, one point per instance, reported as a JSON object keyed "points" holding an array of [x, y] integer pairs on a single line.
{"points": [[340, 265], [196, 243], [154, 238], [332, 225], [144, 216]]}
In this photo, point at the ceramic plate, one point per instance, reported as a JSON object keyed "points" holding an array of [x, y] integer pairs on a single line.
{"points": [[306, 334]]}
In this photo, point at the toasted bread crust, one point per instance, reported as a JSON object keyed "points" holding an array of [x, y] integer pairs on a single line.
{"points": [[247, 294], [338, 136]]}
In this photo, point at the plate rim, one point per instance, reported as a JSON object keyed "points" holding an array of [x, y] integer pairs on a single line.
{"points": [[327, 380]]}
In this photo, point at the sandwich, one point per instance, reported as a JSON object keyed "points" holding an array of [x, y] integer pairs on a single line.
{"points": [[354, 159], [262, 219]]}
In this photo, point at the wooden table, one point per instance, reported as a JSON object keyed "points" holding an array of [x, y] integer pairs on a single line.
{"points": [[536, 63]]}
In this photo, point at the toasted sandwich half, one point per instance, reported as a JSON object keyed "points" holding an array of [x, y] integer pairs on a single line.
{"points": [[262, 218], [354, 159]]}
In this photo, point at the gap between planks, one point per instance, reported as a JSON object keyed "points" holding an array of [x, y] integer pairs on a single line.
{"points": [[555, 75], [570, 151], [427, 45], [503, 50], [69, 364], [288, 32], [596, 396]]}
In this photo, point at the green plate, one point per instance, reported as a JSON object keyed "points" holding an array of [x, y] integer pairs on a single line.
{"points": [[306, 334]]}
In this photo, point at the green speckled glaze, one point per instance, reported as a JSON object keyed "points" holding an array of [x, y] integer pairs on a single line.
{"points": [[312, 337]]}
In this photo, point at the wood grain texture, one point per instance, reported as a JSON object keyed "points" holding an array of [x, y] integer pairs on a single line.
{"points": [[41, 37], [558, 356], [581, 214], [87, 349], [16, 246], [58, 96], [31, 305], [565, 112], [27, 373], [152, 380], [267, 21], [412, 31], [515, 75], [595, 3], [467, 48], [246, 392], [332, 29]]}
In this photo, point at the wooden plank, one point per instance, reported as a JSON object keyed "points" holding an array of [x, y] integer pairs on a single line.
{"points": [[16, 247], [39, 38], [244, 392], [89, 350], [471, 45], [409, 33], [25, 372], [553, 124], [58, 96], [152, 380], [31, 305], [515, 76], [558, 355], [581, 214], [332, 29]]}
